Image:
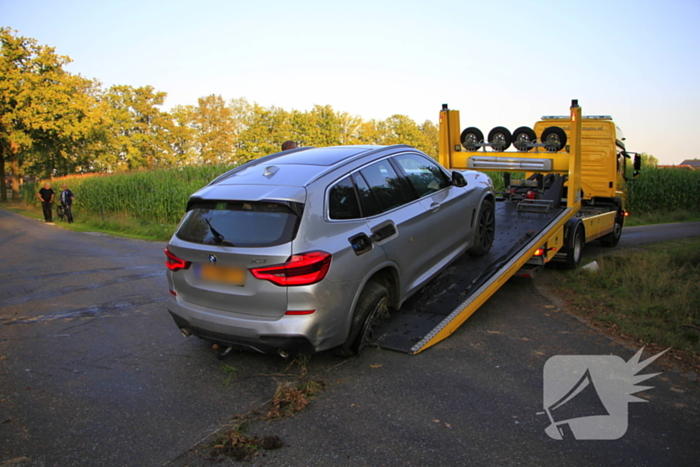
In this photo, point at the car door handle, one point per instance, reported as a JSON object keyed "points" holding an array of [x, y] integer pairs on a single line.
{"points": [[383, 232], [435, 207]]}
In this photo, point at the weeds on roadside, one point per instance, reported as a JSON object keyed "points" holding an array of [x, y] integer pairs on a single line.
{"points": [[662, 217], [230, 371], [650, 294], [289, 398]]}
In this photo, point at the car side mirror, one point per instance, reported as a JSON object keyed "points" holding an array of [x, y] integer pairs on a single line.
{"points": [[458, 179]]}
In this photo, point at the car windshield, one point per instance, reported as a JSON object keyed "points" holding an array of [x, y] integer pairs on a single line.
{"points": [[238, 223]]}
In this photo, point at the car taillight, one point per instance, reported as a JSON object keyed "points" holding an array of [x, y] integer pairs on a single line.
{"points": [[174, 263], [299, 312], [303, 269]]}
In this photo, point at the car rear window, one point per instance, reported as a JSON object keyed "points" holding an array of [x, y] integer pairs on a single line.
{"points": [[239, 223]]}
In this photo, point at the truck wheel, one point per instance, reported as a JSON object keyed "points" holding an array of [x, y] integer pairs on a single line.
{"points": [[500, 138], [522, 137], [573, 256], [373, 304], [554, 138], [485, 230], [613, 238], [470, 138]]}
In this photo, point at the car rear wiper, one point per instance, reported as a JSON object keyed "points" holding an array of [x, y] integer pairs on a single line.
{"points": [[218, 238]]}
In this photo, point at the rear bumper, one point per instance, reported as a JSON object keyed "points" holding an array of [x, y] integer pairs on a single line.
{"points": [[292, 335], [267, 344]]}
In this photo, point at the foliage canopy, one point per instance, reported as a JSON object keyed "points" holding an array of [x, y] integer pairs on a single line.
{"points": [[54, 123]]}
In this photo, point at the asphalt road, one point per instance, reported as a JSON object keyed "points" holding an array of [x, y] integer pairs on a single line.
{"points": [[93, 372]]}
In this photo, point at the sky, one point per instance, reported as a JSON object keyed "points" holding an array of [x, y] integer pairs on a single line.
{"points": [[499, 62]]}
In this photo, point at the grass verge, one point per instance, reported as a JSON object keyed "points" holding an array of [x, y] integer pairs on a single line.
{"points": [[649, 295], [662, 217], [122, 226]]}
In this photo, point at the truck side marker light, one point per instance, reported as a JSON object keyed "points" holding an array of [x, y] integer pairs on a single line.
{"points": [[542, 251]]}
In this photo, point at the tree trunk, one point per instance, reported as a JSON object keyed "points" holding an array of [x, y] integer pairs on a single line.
{"points": [[14, 166], [3, 194]]}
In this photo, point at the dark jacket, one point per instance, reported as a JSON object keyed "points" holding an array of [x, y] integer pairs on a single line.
{"points": [[67, 197]]}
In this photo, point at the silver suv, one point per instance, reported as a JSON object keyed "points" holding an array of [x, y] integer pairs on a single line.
{"points": [[300, 251]]}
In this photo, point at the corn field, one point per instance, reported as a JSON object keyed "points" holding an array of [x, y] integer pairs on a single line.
{"points": [[664, 190], [160, 196], [156, 196]]}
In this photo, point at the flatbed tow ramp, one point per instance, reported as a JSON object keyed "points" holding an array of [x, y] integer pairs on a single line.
{"points": [[573, 194], [451, 298]]}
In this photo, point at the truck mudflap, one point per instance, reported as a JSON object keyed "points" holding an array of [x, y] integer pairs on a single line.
{"points": [[440, 307]]}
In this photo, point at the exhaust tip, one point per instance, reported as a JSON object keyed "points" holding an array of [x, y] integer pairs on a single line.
{"points": [[282, 353], [186, 332]]}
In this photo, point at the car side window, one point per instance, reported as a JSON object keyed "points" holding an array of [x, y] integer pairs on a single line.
{"points": [[370, 203], [425, 175], [343, 202], [386, 185]]}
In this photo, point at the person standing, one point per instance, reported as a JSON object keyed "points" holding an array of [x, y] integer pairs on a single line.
{"points": [[289, 145], [67, 202], [46, 195]]}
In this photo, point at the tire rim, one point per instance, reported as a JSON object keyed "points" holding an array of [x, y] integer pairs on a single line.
{"points": [[521, 141], [499, 141], [578, 247], [366, 334], [470, 141], [486, 227], [617, 230]]}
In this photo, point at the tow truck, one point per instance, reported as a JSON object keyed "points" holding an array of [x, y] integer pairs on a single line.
{"points": [[562, 190]]}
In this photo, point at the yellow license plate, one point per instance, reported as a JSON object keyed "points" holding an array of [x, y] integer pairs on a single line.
{"points": [[234, 276]]}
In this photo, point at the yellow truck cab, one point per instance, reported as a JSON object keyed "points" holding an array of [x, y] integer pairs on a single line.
{"points": [[603, 161]]}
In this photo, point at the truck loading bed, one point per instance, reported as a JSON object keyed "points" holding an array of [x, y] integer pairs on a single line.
{"points": [[440, 307]]}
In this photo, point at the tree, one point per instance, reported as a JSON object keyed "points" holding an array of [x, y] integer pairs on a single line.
{"points": [[350, 128], [321, 127], [45, 112], [137, 134], [429, 139], [215, 130], [264, 134], [181, 137], [370, 132], [648, 160], [399, 129]]}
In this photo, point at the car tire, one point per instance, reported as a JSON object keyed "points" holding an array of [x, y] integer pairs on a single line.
{"points": [[470, 137], [485, 229], [575, 250], [373, 304], [613, 238], [522, 137], [554, 139], [500, 138]]}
